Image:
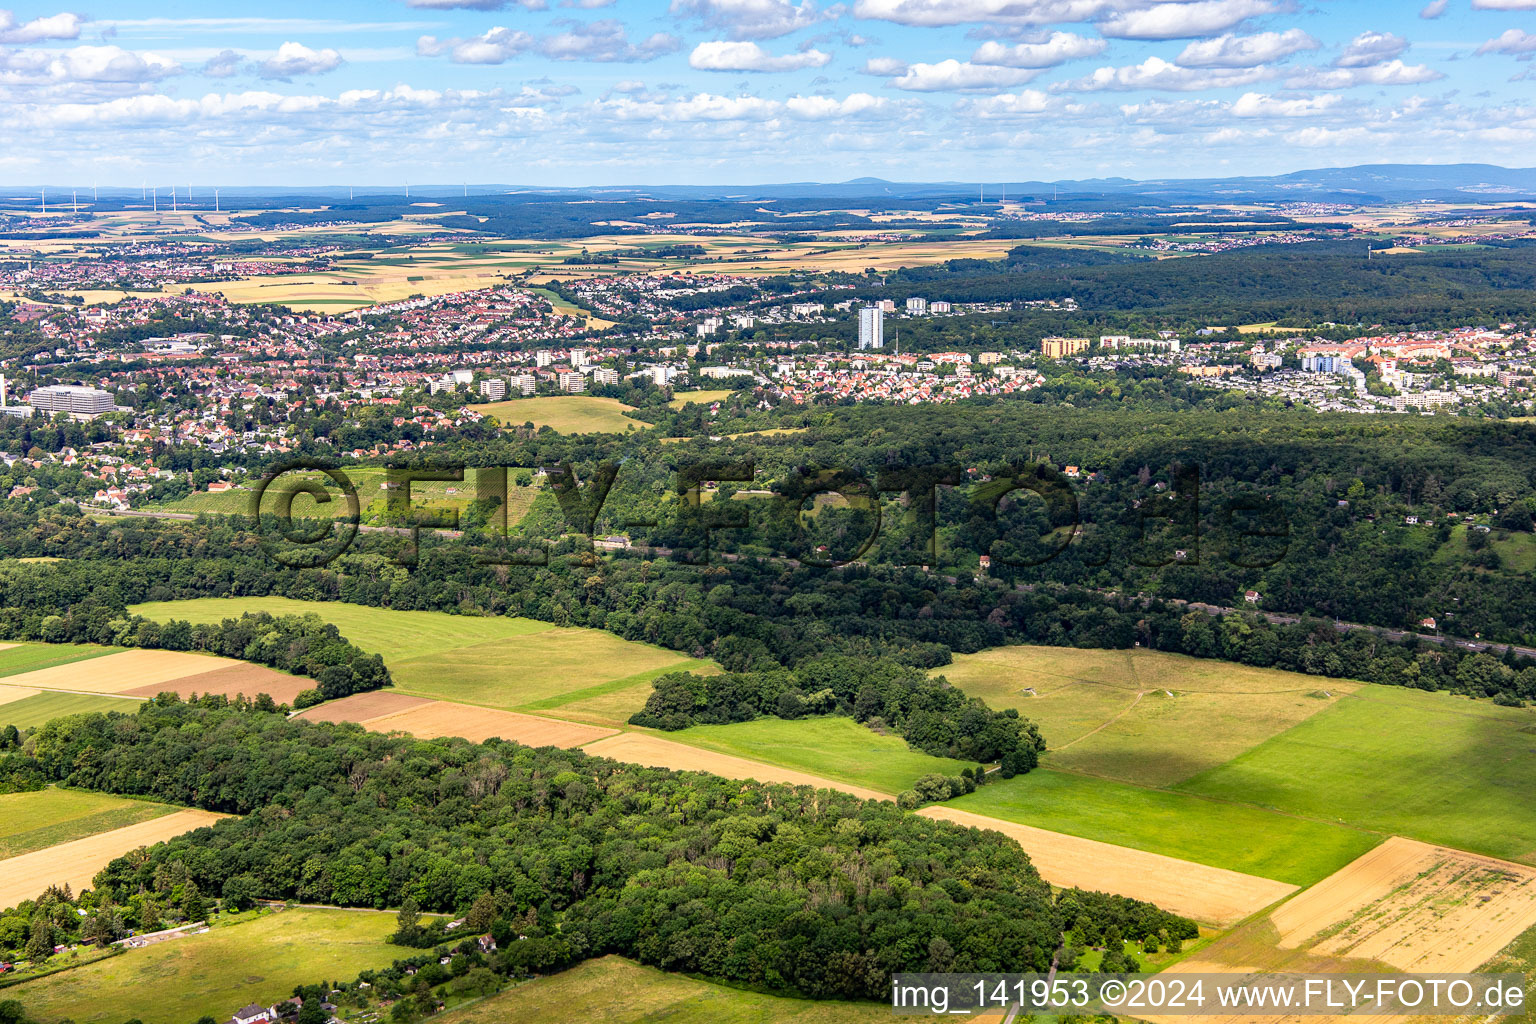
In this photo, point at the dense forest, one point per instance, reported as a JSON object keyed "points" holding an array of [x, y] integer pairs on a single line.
{"points": [[743, 608], [794, 889]]}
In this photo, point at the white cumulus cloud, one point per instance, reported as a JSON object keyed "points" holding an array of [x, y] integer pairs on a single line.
{"points": [[746, 56], [1156, 73], [1183, 20], [1511, 40], [938, 13], [749, 19], [297, 59], [956, 76], [1058, 49], [496, 46], [1369, 48], [53, 26], [108, 65], [1393, 72], [1230, 51]]}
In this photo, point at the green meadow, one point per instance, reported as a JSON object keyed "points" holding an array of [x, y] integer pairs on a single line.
{"points": [[834, 748], [1223, 834], [493, 661], [30, 712], [1429, 766], [256, 960], [396, 635]]}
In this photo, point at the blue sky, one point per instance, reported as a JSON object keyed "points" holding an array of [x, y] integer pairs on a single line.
{"points": [[585, 92]]}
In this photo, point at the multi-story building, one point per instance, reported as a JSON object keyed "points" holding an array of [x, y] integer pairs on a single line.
{"points": [[1061, 348], [494, 388], [71, 398], [605, 375], [523, 383], [917, 306], [871, 327], [572, 382]]}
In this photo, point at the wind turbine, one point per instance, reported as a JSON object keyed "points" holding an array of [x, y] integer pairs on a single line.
{"points": [[173, 198], [215, 200], [154, 197], [407, 190], [45, 199], [76, 195]]}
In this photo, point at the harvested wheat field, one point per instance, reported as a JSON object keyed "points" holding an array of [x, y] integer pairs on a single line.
{"points": [[1210, 895], [363, 707], [9, 693], [445, 718], [76, 863], [1414, 906], [124, 672], [643, 748], [1405, 906], [233, 679]]}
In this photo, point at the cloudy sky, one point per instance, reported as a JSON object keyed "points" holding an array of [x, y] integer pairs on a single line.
{"points": [[721, 91]]}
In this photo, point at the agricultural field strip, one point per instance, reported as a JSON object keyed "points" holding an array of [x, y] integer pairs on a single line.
{"points": [[1404, 905], [113, 674], [1213, 895], [1414, 906], [1210, 895], [436, 718], [75, 863], [10, 693]]}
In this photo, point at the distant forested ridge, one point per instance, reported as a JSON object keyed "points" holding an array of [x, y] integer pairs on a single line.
{"points": [[1309, 282]]}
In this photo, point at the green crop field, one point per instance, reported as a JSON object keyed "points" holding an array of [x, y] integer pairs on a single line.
{"points": [[1429, 766], [30, 712], [682, 398], [1142, 716], [397, 635], [1225, 835], [259, 960], [540, 671], [495, 661], [48, 817], [611, 990], [565, 414], [30, 657], [834, 748]]}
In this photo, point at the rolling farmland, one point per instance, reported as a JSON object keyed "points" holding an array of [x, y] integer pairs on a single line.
{"points": [[498, 662], [1140, 716]]}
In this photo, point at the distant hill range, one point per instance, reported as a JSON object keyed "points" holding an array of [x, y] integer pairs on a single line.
{"points": [[1364, 184]]}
